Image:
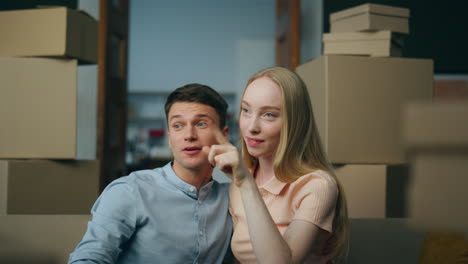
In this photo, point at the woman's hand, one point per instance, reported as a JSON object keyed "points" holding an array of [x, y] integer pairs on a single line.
{"points": [[227, 158]]}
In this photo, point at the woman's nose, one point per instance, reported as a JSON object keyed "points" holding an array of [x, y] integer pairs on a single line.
{"points": [[254, 126]]}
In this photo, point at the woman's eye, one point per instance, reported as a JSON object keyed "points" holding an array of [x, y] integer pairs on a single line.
{"points": [[269, 115], [244, 110]]}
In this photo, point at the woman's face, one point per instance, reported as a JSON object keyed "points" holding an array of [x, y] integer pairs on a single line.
{"points": [[260, 117]]}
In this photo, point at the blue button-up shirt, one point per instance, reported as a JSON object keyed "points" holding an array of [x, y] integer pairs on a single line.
{"points": [[152, 216]]}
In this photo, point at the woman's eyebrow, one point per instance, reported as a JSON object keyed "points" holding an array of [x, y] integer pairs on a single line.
{"points": [[263, 107]]}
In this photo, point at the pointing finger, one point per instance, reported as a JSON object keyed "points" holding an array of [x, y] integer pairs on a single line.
{"points": [[219, 137]]}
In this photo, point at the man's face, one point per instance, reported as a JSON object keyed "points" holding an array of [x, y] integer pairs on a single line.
{"points": [[190, 127]]}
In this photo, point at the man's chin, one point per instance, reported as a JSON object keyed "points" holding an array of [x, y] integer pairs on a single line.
{"points": [[193, 165]]}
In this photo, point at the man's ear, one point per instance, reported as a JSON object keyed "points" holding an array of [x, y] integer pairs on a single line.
{"points": [[226, 132], [168, 139]]}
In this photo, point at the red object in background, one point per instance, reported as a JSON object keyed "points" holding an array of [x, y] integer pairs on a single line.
{"points": [[157, 133], [451, 89]]}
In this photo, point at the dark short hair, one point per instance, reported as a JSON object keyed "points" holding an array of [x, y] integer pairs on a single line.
{"points": [[198, 93]]}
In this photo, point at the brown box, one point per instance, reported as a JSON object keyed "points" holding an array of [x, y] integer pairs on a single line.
{"points": [[438, 194], [374, 191], [48, 187], [51, 32], [375, 44], [436, 136], [357, 101], [40, 239], [45, 112], [370, 17], [442, 125]]}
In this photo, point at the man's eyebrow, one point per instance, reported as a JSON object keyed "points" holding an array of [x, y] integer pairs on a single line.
{"points": [[196, 116], [204, 115], [174, 116]]}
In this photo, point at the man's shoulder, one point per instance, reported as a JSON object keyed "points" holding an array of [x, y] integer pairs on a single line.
{"points": [[139, 178]]}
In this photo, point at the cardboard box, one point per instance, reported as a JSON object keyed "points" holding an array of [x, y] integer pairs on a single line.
{"points": [[49, 32], [437, 193], [442, 125], [370, 17], [376, 44], [40, 239], [374, 191], [48, 187], [357, 104], [45, 112], [436, 136]]}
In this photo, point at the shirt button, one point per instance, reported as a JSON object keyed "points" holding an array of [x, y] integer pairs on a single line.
{"points": [[192, 189], [200, 233]]}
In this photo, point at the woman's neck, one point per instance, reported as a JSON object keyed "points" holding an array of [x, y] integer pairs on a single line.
{"points": [[265, 171]]}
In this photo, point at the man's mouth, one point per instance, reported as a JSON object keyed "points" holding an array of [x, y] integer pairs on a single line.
{"points": [[192, 150]]}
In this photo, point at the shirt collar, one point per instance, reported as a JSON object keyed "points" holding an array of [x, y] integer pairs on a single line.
{"points": [[188, 189], [273, 186]]}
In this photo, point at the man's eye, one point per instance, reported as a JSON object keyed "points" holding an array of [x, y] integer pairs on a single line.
{"points": [[176, 126], [201, 124], [244, 110]]}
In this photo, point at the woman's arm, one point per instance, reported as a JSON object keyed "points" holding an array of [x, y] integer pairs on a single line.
{"points": [[300, 238]]}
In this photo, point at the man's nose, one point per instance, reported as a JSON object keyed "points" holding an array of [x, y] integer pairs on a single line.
{"points": [[190, 133]]}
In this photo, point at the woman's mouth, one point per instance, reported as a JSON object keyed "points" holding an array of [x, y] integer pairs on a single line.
{"points": [[253, 141]]}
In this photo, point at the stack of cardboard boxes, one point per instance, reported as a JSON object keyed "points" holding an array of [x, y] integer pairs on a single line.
{"points": [[358, 104], [362, 104], [369, 29], [436, 137], [48, 112]]}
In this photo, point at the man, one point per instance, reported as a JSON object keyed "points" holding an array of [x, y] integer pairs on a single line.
{"points": [[173, 214]]}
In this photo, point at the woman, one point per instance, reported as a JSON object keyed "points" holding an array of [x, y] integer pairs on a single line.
{"points": [[287, 205]]}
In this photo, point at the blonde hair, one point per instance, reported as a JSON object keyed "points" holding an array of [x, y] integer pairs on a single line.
{"points": [[300, 149]]}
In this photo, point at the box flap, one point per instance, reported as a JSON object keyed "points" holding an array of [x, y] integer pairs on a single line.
{"points": [[370, 8], [81, 11], [351, 36], [364, 36]]}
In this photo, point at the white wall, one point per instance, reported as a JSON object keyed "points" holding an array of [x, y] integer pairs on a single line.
{"points": [[173, 43], [90, 6], [311, 29]]}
